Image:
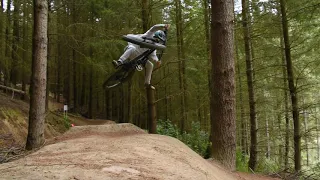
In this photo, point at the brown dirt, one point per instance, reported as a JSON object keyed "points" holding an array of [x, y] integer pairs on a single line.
{"points": [[116, 151], [14, 123], [100, 149]]}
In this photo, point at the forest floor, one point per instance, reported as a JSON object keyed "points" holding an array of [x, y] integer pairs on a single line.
{"points": [[100, 149]]}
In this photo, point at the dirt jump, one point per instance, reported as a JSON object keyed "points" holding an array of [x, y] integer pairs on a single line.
{"points": [[115, 152]]}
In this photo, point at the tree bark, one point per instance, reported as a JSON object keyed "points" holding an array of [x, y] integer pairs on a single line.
{"points": [[25, 48], [14, 72], [268, 138], [305, 121], [38, 79], [74, 64], [223, 128], [152, 115], [292, 88], [286, 105], [249, 72], [2, 41], [243, 122], [318, 134], [145, 15], [129, 104], [181, 59], [7, 43], [49, 56], [206, 9]]}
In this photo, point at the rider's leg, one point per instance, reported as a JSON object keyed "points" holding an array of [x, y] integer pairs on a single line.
{"points": [[147, 80], [128, 54]]}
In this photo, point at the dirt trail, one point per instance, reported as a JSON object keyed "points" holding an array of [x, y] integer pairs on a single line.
{"points": [[101, 149], [115, 151]]}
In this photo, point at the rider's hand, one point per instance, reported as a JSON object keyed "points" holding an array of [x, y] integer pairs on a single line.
{"points": [[167, 26], [158, 63]]}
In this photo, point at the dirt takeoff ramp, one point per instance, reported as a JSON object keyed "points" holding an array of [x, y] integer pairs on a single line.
{"points": [[115, 152]]}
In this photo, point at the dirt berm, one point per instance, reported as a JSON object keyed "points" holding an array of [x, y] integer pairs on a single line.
{"points": [[115, 152]]}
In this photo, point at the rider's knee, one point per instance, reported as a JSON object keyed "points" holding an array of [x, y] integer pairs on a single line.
{"points": [[149, 65]]}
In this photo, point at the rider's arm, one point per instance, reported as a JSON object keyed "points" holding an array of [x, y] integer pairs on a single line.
{"points": [[155, 28]]}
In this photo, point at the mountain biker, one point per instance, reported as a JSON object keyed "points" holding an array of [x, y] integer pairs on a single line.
{"points": [[134, 50]]}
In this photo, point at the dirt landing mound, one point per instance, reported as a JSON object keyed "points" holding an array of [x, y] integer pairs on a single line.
{"points": [[115, 152]]}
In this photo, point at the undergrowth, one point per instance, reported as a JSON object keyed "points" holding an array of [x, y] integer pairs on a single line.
{"points": [[196, 139]]}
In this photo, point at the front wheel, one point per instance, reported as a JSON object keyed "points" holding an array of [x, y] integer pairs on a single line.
{"points": [[117, 78]]}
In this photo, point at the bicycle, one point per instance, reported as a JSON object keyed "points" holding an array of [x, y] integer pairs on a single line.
{"points": [[128, 68]]}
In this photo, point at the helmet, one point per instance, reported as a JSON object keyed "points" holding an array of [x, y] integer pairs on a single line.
{"points": [[160, 35]]}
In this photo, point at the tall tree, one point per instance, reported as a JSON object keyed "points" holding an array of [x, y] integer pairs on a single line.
{"points": [[182, 64], [145, 15], [7, 43], [292, 88], [38, 79], [253, 119], [223, 128], [25, 53], [2, 41], [15, 43], [74, 64]]}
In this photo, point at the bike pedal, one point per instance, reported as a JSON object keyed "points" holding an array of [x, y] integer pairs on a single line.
{"points": [[139, 68]]}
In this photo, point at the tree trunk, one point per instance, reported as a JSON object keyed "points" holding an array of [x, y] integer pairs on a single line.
{"points": [[90, 108], [7, 43], [129, 104], [14, 72], [292, 88], [206, 9], [25, 48], [145, 15], [181, 59], [305, 121], [152, 115], [83, 87], [38, 79], [223, 127], [268, 138], [74, 64], [2, 39], [249, 72], [286, 105], [49, 56], [318, 134], [243, 122]]}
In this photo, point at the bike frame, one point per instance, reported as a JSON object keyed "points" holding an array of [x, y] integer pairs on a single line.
{"points": [[139, 60]]}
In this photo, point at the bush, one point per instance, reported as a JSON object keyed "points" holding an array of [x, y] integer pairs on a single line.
{"points": [[241, 162], [196, 139]]}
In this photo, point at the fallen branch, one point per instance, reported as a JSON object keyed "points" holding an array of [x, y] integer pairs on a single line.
{"points": [[13, 90]]}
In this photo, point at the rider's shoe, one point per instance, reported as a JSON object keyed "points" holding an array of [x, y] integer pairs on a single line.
{"points": [[116, 63], [147, 86]]}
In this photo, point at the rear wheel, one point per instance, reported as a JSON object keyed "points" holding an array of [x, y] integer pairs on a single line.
{"points": [[117, 78]]}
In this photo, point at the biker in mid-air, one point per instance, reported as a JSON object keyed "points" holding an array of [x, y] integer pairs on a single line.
{"points": [[134, 50]]}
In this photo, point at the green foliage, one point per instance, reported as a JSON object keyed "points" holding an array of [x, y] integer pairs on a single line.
{"points": [[66, 122], [241, 161], [266, 165], [313, 173], [196, 139], [165, 127]]}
